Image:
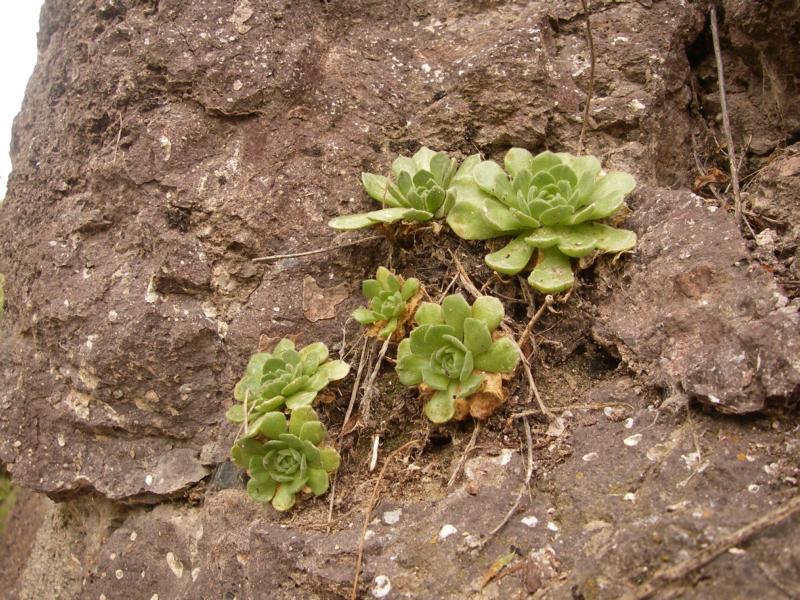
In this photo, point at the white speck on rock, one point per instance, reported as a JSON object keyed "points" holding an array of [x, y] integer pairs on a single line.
{"points": [[426, 68], [629, 497], [195, 573], [175, 565], [148, 480], [61, 441], [113, 316], [381, 586], [134, 535], [633, 440], [237, 85], [530, 521], [628, 423], [552, 526], [753, 488], [590, 457], [119, 574], [390, 517], [446, 531]]}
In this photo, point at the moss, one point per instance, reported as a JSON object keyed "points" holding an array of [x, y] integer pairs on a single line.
{"points": [[8, 495]]}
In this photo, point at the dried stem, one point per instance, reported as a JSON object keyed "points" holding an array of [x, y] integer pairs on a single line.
{"points": [[677, 572], [464, 455], [590, 92], [726, 124], [368, 512], [355, 390], [548, 301], [366, 398], [319, 250]]}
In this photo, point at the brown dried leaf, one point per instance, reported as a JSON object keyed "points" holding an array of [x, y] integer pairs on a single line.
{"points": [[320, 303]]}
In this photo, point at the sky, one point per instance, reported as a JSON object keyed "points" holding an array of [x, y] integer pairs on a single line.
{"points": [[19, 22]]}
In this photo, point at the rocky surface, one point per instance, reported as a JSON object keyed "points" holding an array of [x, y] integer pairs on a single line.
{"points": [[164, 144], [696, 315]]}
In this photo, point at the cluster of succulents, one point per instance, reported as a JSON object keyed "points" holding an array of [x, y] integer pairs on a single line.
{"points": [[549, 202], [456, 355], [392, 301], [284, 458], [419, 192]]}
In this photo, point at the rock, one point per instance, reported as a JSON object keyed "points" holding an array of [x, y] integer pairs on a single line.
{"points": [[693, 313]]}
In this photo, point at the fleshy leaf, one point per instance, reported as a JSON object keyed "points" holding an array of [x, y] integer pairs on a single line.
{"points": [[300, 399], [370, 288], [335, 369], [441, 407], [330, 459], [489, 310], [261, 491], [511, 258], [284, 498], [346, 222], [313, 431], [410, 287], [455, 309], [476, 336], [553, 272], [364, 315], [517, 160], [502, 357], [235, 414], [377, 188], [429, 313], [610, 239], [299, 417], [272, 425], [317, 481]]}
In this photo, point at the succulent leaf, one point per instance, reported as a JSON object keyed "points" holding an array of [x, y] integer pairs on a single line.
{"points": [[451, 359], [391, 303], [283, 377], [553, 272], [551, 200], [419, 194]]}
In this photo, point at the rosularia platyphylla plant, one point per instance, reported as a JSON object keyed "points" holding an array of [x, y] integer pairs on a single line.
{"points": [[418, 193], [283, 377], [550, 202], [392, 302], [284, 458], [457, 355]]}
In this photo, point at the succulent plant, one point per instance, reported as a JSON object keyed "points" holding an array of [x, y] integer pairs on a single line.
{"points": [[419, 192], [456, 354], [284, 377], [548, 201], [392, 302], [284, 458]]}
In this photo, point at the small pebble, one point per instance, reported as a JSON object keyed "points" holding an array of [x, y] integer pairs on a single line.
{"points": [[530, 521], [446, 531], [381, 586], [633, 440]]}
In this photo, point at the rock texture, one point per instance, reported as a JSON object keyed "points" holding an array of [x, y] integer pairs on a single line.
{"points": [[696, 315], [164, 144]]}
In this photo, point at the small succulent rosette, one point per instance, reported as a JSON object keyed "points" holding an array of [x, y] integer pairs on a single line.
{"points": [[550, 202], [284, 377], [419, 191], [285, 458], [392, 302], [457, 356]]}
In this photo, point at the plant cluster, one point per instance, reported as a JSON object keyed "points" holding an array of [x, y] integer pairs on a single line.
{"points": [[284, 457], [392, 301], [551, 206]]}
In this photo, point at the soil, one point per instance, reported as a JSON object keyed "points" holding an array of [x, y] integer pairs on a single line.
{"points": [[163, 145]]}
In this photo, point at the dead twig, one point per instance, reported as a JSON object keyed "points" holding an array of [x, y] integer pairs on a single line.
{"points": [[366, 397], [548, 300], [368, 512], [533, 390], [590, 91], [330, 503], [354, 393], [318, 250], [523, 487], [677, 572], [464, 455], [726, 125]]}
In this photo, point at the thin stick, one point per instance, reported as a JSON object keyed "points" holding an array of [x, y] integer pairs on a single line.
{"points": [[448, 288], [464, 455], [533, 390], [590, 92], [373, 462], [317, 251], [366, 398], [367, 513], [330, 503], [355, 390], [119, 137], [465, 280], [677, 572], [523, 487], [726, 124], [548, 300]]}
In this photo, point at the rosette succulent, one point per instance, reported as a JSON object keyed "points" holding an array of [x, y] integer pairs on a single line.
{"points": [[284, 458], [548, 201], [456, 353], [419, 192], [284, 377], [392, 301]]}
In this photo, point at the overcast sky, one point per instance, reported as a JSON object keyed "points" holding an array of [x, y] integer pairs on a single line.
{"points": [[19, 22]]}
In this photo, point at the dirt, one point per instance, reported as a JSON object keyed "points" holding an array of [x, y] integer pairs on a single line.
{"points": [[163, 145]]}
